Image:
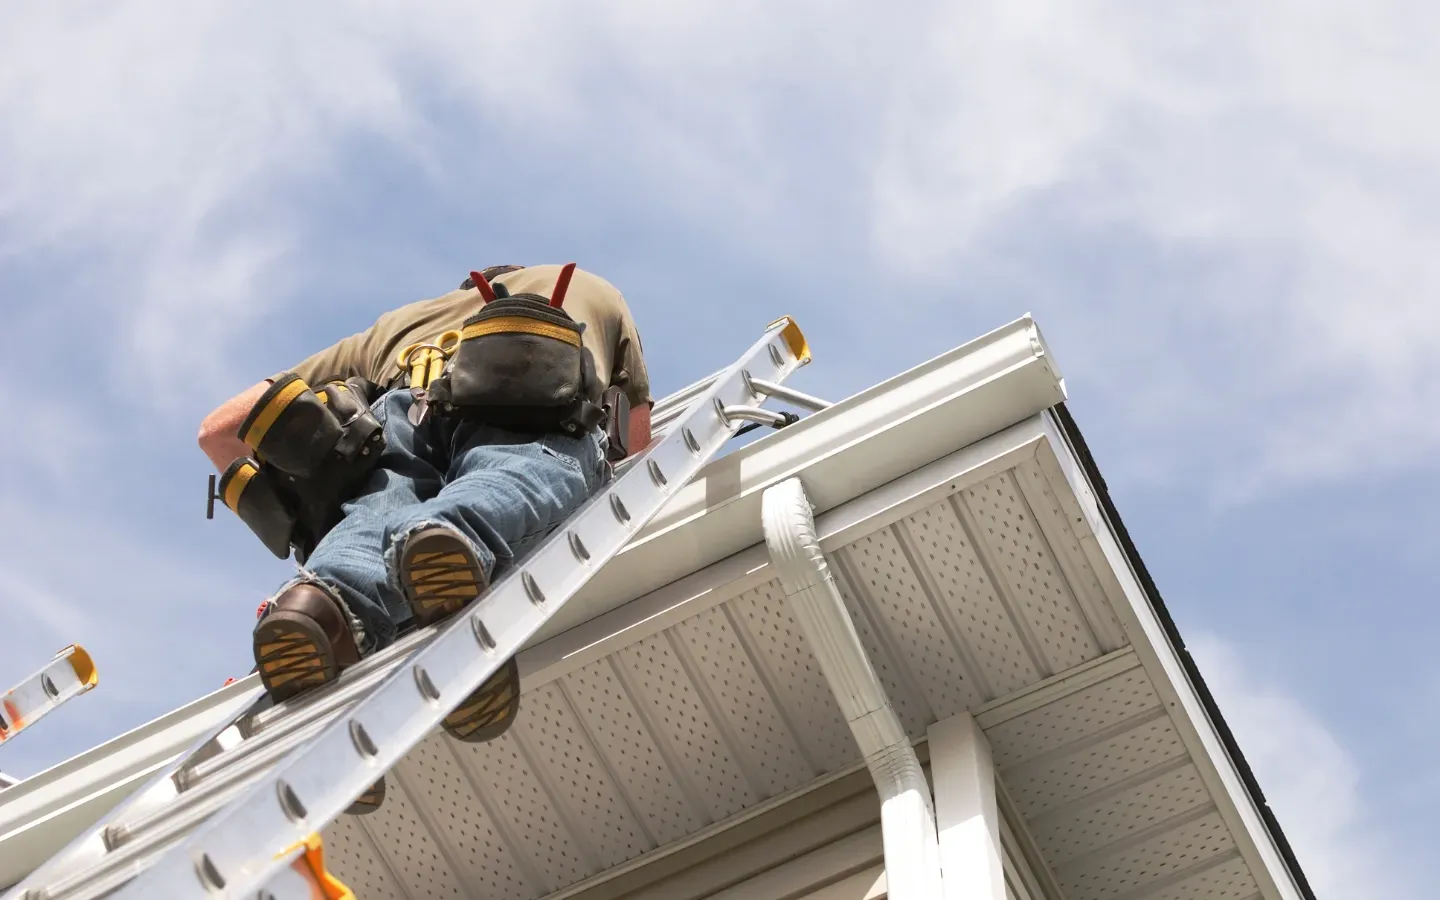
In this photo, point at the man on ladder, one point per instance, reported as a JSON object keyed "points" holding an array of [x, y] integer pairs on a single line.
{"points": [[403, 464]]}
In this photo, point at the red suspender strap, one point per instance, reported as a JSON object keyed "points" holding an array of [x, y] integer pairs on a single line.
{"points": [[562, 284], [483, 286]]}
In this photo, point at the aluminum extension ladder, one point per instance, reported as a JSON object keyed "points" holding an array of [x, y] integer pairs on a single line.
{"points": [[69, 674], [239, 814]]}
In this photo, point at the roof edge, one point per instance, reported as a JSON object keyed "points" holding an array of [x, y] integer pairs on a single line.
{"points": [[1070, 431]]}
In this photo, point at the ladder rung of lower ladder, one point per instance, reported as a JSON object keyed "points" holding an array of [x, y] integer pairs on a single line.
{"points": [[205, 798], [86, 853], [163, 832], [670, 406], [243, 844], [110, 873], [270, 725], [69, 674]]}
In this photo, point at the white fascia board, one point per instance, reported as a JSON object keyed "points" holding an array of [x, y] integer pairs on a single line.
{"points": [[856, 445], [42, 814], [1152, 645]]}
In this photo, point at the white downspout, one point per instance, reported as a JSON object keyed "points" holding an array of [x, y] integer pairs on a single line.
{"points": [[907, 815]]}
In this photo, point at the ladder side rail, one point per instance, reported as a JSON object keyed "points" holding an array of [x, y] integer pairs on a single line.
{"points": [[241, 846]]}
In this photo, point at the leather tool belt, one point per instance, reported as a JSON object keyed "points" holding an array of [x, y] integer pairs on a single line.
{"points": [[521, 364], [518, 364], [313, 450]]}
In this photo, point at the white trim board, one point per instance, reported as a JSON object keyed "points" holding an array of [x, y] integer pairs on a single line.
{"points": [[1166, 672]]}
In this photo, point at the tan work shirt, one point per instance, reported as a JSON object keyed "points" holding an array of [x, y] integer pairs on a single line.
{"points": [[610, 332]]}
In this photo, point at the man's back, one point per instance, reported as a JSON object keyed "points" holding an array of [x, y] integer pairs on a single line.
{"points": [[610, 333]]}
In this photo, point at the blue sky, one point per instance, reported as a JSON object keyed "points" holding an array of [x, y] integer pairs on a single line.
{"points": [[1218, 215]]}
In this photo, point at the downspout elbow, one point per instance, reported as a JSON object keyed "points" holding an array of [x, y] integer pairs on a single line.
{"points": [[907, 813]]}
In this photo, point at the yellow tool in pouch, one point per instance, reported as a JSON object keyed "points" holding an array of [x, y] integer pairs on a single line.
{"points": [[425, 361]]}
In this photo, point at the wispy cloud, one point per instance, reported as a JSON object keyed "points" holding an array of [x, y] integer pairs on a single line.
{"points": [[1276, 147], [1312, 780], [169, 145]]}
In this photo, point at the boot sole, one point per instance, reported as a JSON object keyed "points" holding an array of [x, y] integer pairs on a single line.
{"points": [[490, 710], [369, 801], [293, 655], [440, 577]]}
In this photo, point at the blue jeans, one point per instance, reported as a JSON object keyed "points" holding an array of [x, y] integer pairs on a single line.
{"points": [[502, 490]]}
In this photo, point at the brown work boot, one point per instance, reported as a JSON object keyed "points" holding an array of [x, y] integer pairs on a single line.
{"points": [[439, 576], [303, 642], [490, 709]]}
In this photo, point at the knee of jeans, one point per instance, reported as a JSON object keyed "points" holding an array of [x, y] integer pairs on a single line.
{"points": [[395, 537], [366, 635]]}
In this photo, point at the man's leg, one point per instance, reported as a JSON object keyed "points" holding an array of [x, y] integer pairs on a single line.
{"points": [[505, 493], [342, 606]]}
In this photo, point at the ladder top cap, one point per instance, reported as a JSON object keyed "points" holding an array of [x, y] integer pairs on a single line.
{"points": [[83, 665], [794, 338]]}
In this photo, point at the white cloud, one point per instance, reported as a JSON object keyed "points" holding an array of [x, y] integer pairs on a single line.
{"points": [[1311, 780], [168, 140], [1279, 143], [1284, 146]]}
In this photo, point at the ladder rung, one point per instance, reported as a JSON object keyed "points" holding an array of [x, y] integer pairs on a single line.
{"points": [[212, 793], [365, 670], [195, 782], [123, 864], [190, 778], [681, 397], [87, 850]]}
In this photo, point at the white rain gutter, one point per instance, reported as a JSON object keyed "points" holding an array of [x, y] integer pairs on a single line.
{"points": [[907, 814]]}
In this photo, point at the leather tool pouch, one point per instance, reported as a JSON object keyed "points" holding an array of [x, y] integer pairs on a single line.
{"points": [[314, 449], [251, 494], [521, 365], [617, 423]]}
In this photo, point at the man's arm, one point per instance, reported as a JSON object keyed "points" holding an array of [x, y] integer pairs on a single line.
{"points": [[218, 432], [337, 362]]}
